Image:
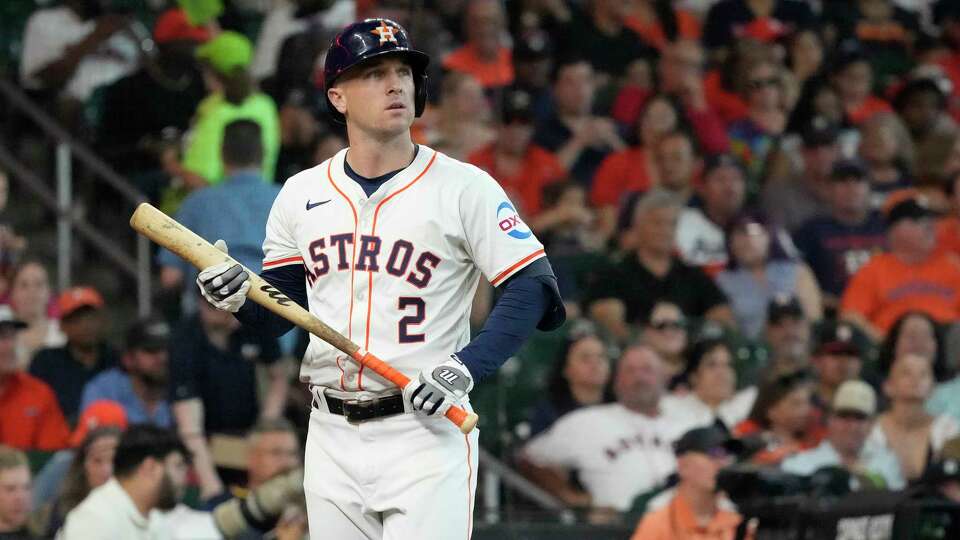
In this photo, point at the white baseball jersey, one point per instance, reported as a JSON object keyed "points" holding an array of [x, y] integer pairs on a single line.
{"points": [[618, 453], [395, 272]]}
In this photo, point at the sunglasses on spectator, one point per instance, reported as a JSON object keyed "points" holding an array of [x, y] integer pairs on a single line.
{"points": [[668, 325], [851, 415], [758, 84], [718, 452]]}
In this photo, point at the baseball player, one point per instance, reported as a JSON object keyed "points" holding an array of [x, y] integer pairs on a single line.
{"points": [[386, 242]]}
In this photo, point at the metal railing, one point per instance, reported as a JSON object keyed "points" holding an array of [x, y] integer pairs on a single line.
{"points": [[62, 203], [495, 474]]}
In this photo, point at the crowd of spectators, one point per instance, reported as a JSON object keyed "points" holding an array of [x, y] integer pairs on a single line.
{"points": [[751, 207]]}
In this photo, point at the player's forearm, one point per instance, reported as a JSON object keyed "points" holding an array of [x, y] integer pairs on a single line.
{"points": [[554, 482], [189, 417], [277, 390], [291, 281], [863, 323]]}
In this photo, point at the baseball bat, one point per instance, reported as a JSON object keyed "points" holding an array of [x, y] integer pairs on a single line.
{"points": [[170, 234]]}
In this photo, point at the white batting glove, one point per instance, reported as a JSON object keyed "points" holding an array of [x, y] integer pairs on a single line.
{"points": [[439, 388], [224, 285]]}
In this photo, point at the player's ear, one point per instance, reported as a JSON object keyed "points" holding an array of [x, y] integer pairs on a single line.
{"points": [[336, 97]]}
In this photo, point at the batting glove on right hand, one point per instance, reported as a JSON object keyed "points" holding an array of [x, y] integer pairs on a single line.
{"points": [[224, 285], [439, 388]]}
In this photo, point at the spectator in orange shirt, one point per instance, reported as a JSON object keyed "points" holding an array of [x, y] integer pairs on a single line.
{"points": [[521, 168], [911, 276], [634, 169], [694, 510], [31, 417], [726, 86], [484, 55], [852, 77]]}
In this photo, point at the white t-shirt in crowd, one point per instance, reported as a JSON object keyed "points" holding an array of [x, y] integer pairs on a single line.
{"points": [[700, 241], [109, 513], [618, 453], [48, 34], [280, 24], [693, 413]]}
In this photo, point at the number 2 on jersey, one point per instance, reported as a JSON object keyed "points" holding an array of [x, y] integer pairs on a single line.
{"points": [[420, 310]]}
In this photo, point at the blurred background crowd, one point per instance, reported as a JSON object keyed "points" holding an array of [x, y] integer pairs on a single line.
{"points": [[752, 207]]}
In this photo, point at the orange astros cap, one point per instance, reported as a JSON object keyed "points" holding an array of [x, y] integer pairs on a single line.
{"points": [[75, 298], [100, 413]]}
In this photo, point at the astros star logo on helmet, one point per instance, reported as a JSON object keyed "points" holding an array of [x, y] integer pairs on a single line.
{"points": [[385, 32]]}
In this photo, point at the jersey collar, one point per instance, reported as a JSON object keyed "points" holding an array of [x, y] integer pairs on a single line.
{"points": [[402, 178]]}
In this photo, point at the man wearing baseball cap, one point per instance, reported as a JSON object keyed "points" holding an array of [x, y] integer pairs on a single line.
{"points": [[837, 358], [140, 385], [787, 336], [67, 369], [233, 96], [802, 194], [694, 509], [910, 276], [852, 413], [836, 245]]}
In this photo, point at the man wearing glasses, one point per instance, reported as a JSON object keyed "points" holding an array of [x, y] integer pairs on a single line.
{"points": [[852, 413]]}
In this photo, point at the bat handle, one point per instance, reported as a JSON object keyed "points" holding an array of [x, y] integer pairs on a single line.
{"points": [[466, 421]]}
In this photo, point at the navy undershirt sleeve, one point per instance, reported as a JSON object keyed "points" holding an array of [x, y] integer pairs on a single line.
{"points": [[291, 281], [530, 300]]}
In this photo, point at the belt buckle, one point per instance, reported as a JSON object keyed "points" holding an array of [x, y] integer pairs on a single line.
{"points": [[360, 410]]}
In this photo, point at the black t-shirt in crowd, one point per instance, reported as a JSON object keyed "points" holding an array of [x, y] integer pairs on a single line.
{"points": [[729, 18], [224, 380], [139, 106], [836, 251], [610, 54], [627, 279], [66, 376], [552, 134]]}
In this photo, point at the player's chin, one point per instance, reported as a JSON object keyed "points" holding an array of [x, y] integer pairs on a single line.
{"points": [[397, 120]]}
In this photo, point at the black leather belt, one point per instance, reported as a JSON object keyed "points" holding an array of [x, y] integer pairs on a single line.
{"points": [[361, 410]]}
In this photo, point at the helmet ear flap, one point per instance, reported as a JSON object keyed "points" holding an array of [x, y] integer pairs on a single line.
{"points": [[420, 99]]}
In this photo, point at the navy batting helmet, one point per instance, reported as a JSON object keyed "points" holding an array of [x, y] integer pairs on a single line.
{"points": [[368, 39]]}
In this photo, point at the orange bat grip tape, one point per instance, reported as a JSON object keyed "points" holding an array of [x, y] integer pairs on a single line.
{"points": [[455, 414]]}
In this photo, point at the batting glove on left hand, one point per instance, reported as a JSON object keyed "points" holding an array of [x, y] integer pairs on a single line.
{"points": [[439, 388], [224, 285]]}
